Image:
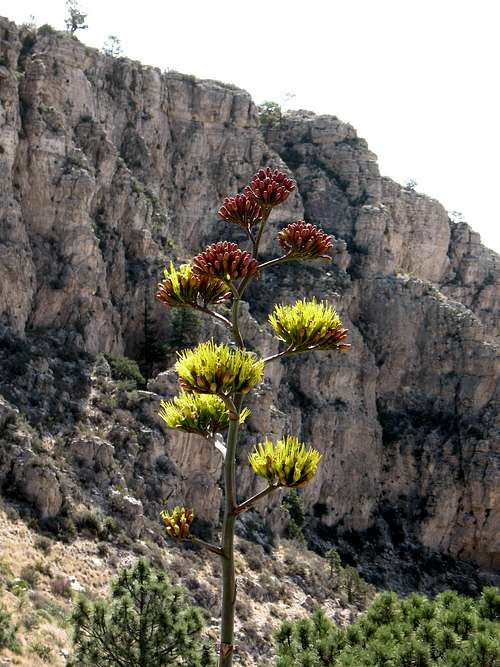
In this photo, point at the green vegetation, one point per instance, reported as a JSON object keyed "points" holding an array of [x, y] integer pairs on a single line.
{"points": [[450, 631], [126, 372], [294, 505], [7, 631], [185, 329], [269, 113], [144, 622], [333, 558], [113, 46], [75, 19]]}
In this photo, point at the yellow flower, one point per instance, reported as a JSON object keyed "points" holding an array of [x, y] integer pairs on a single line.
{"points": [[180, 287], [216, 369], [203, 414], [286, 463], [309, 325], [178, 522]]}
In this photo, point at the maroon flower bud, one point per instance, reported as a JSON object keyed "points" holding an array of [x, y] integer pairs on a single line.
{"points": [[224, 260], [304, 240], [241, 210], [269, 188]]}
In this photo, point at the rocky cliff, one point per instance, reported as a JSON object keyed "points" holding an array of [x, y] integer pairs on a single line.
{"points": [[108, 169]]}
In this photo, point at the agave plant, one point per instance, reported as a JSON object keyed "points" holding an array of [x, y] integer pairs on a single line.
{"points": [[215, 378]]}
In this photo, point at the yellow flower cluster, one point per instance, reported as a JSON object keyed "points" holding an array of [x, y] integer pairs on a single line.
{"points": [[203, 414], [180, 287], [286, 463], [178, 522], [309, 325], [216, 369]]}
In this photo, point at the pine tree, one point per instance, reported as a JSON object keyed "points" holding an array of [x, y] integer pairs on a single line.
{"points": [[143, 623], [294, 505], [450, 631], [153, 347], [334, 561]]}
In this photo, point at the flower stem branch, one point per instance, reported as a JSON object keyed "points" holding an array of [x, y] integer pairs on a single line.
{"points": [[234, 317], [284, 353], [211, 547], [212, 313], [256, 243], [248, 504], [232, 407], [276, 261]]}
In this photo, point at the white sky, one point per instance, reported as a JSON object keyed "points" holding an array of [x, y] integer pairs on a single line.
{"points": [[419, 80]]}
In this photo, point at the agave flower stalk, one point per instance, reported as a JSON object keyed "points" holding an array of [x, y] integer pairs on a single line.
{"points": [[215, 378]]}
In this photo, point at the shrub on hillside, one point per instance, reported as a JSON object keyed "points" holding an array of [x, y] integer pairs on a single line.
{"points": [[7, 630], [125, 371]]}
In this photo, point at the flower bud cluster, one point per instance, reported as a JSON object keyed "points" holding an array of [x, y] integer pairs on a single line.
{"points": [[305, 241], [286, 463], [269, 188], [226, 261], [178, 522], [183, 288], [216, 369], [309, 325], [241, 210], [203, 414]]}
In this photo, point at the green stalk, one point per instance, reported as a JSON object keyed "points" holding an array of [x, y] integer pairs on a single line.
{"points": [[228, 577], [231, 504]]}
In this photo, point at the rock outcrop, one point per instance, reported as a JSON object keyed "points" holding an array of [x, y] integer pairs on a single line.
{"points": [[108, 169]]}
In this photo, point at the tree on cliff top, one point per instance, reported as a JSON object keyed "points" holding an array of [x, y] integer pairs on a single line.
{"points": [[75, 20]]}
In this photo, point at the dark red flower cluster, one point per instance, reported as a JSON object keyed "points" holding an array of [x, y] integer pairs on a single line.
{"points": [[241, 210], [224, 260], [269, 188], [304, 240]]}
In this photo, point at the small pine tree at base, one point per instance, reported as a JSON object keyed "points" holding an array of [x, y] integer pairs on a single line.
{"points": [[143, 623]]}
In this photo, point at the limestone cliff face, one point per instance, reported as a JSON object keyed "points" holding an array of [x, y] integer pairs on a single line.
{"points": [[109, 168]]}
